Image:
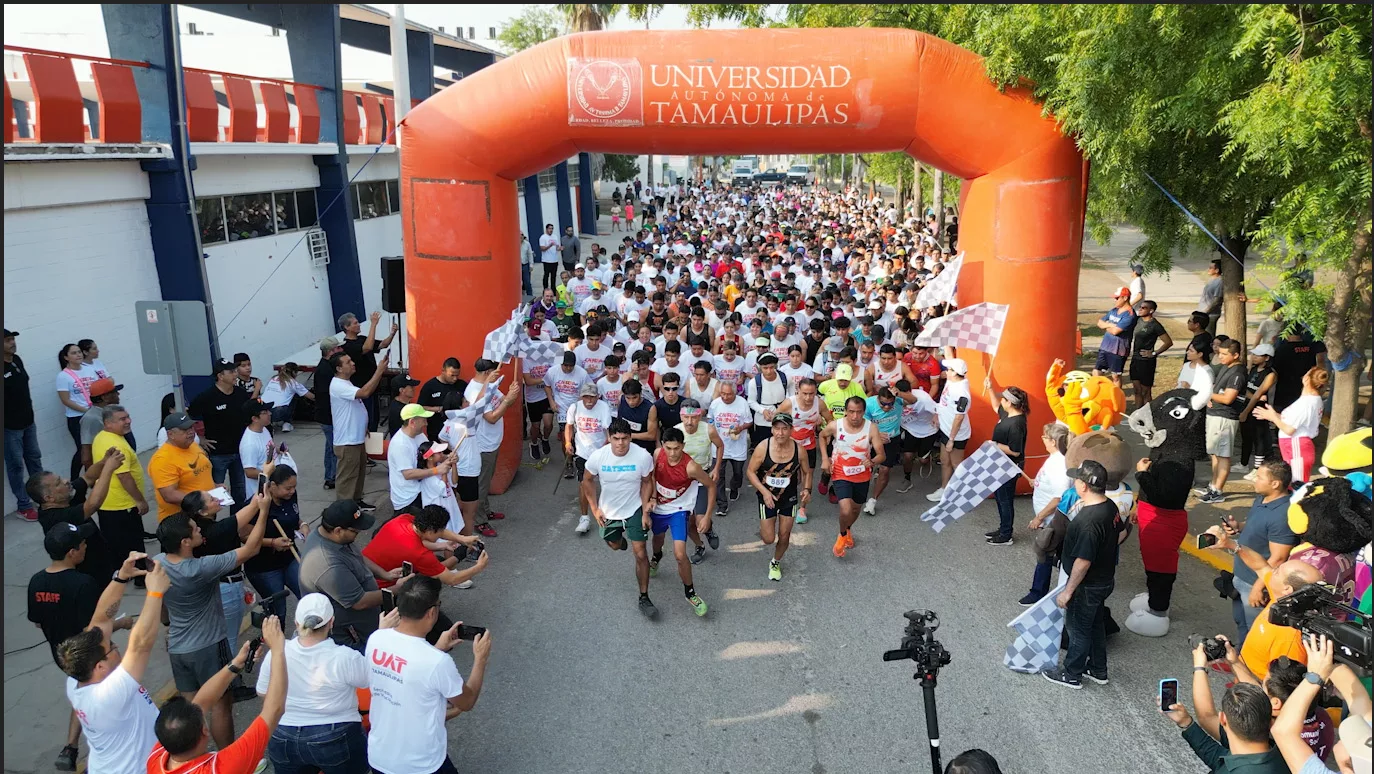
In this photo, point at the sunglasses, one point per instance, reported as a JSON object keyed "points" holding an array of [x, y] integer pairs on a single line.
{"points": [[666, 388]]}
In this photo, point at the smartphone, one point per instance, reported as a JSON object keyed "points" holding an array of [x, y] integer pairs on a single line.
{"points": [[1168, 693], [1206, 540], [470, 633], [475, 550], [406, 569], [388, 601], [145, 564], [262, 483]]}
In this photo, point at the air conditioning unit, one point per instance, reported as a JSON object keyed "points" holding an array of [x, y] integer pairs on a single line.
{"points": [[319, 247]]}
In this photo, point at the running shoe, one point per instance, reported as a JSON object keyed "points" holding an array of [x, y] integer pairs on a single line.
{"points": [[467, 584], [1213, 497], [261, 767], [653, 566], [840, 545], [485, 530], [801, 516], [286, 427], [31, 515], [584, 523], [366, 507], [1061, 677], [698, 605], [822, 487], [498, 515], [534, 451], [1099, 680], [849, 540], [871, 507], [371, 463], [834, 498], [66, 760], [698, 554], [734, 495], [775, 570], [1202, 490], [568, 475], [723, 507], [905, 486], [936, 496], [1251, 476], [713, 539], [544, 447], [647, 608]]}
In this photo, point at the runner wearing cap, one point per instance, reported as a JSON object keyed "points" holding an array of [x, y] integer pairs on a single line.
{"points": [[858, 448], [704, 445], [833, 393], [676, 481], [954, 425], [619, 489], [781, 476], [584, 433]]}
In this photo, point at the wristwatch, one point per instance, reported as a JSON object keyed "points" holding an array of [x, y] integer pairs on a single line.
{"points": [[235, 668], [118, 579], [1200, 669], [1314, 678]]}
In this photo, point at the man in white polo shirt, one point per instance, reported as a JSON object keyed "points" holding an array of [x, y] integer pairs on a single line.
{"points": [[404, 472], [350, 425]]}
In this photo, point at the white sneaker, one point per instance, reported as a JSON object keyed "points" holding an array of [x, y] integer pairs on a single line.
{"points": [[467, 584], [286, 427], [1251, 476], [871, 507], [584, 523], [261, 767], [936, 496]]}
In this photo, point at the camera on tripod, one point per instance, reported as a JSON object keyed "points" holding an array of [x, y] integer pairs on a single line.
{"points": [[1316, 610], [919, 645], [261, 611]]}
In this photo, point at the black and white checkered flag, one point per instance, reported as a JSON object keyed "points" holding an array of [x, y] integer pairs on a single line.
{"points": [[972, 482], [539, 352], [499, 345], [1038, 632], [468, 416], [941, 290], [976, 327]]}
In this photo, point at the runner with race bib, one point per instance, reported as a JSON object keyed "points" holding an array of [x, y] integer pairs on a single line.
{"points": [[850, 465], [782, 478]]}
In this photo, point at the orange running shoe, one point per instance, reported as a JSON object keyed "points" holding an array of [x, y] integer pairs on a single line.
{"points": [[849, 539], [840, 545]]}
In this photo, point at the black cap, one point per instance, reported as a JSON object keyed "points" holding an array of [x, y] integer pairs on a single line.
{"points": [[345, 513], [224, 365], [569, 358], [782, 419], [1092, 473], [65, 536], [178, 420], [10, 334], [401, 382]]}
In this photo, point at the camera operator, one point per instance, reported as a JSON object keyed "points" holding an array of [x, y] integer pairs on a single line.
{"points": [[973, 761], [182, 743], [416, 687], [1353, 750], [116, 713], [1285, 675], [1267, 640], [321, 727], [414, 538], [198, 636], [332, 565]]}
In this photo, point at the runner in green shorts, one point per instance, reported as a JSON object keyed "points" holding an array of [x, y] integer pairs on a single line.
{"points": [[624, 473]]}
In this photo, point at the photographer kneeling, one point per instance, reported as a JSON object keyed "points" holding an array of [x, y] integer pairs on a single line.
{"points": [[321, 728]]}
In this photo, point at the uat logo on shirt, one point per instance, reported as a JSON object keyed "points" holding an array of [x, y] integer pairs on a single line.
{"points": [[388, 661]]}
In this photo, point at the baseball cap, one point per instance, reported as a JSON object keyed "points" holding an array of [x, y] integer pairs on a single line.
{"points": [[1122, 293], [1090, 472], [957, 365], [876, 303], [65, 536], [589, 389], [844, 372], [403, 381], [178, 421], [329, 344], [569, 358], [345, 513], [762, 341], [1263, 350], [10, 334], [412, 410], [435, 448], [313, 611], [782, 419], [104, 387]]}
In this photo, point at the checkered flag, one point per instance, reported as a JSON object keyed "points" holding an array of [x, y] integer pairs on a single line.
{"points": [[941, 290], [1038, 632], [539, 352], [972, 482], [977, 327], [469, 416], [500, 344]]}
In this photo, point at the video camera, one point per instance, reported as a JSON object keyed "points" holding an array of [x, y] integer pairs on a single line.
{"points": [[1316, 610], [257, 617], [919, 643]]}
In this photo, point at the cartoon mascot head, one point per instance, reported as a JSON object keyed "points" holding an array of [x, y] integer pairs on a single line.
{"points": [[1103, 446], [1173, 425], [1330, 514]]}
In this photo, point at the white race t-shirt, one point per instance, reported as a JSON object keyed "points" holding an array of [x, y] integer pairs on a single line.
{"points": [[117, 716], [402, 454], [593, 361], [348, 412], [1051, 482], [589, 427], [274, 394], [253, 452], [620, 478], [489, 434], [727, 417], [411, 684], [321, 681], [1304, 415], [456, 435], [611, 391], [955, 401], [919, 419], [548, 248], [566, 387], [435, 490]]}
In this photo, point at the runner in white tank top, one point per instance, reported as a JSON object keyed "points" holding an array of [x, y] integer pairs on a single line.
{"points": [[851, 466], [703, 444]]}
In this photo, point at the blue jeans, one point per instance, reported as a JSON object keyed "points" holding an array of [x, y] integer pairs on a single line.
{"points": [[1244, 614], [336, 748], [1085, 619], [231, 597], [281, 414], [272, 581], [232, 464], [22, 454], [525, 280], [331, 463], [1006, 507]]}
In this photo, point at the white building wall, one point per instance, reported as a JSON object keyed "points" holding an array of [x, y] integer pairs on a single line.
{"points": [[77, 256], [379, 237]]}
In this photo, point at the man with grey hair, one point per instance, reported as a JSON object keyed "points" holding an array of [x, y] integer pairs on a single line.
{"points": [[364, 350], [121, 512], [324, 374]]}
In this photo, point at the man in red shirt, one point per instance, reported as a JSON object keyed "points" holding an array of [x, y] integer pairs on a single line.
{"points": [[925, 368], [415, 538], [182, 741]]}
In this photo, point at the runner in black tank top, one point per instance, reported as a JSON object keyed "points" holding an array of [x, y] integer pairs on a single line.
{"points": [[782, 479]]}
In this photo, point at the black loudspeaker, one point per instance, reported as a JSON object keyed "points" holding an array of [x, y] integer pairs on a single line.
{"points": [[393, 284]]}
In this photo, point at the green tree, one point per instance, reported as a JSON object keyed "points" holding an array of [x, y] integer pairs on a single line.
{"points": [[620, 168], [532, 27]]}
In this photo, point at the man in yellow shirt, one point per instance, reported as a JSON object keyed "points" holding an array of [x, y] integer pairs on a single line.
{"points": [[1267, 641], [121, 513], [178, 466]]}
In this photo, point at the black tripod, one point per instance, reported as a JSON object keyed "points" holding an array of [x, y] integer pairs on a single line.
{"points": [[919, 645]]}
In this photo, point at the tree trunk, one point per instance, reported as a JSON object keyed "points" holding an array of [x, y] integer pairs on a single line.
{"points": [[1233, 287], [649, 171], [917, 193], [937, 194], [901, 189], [1347, 328]]}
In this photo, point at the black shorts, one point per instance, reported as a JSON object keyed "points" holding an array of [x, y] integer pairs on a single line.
{"points": [[850, 490], [579, 467], [1143, 371], [192, 670], [467, 490], [784, 508], [918, 446], [892, 453], [536, 410], [943, 439]]}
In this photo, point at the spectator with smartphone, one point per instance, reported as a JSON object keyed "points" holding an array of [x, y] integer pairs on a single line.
{"points": [[416, 687], [332, 565], [1262, 542], [1244, 716], [182, 742], [61, 501], [414, 538], [117, 714], [1352, 752], [321, 727]]}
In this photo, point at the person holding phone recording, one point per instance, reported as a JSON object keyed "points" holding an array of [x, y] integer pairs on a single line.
{"points": [[1244, 714]]}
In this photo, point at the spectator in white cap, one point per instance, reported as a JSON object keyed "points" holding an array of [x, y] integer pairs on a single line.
{"points": [[954, 425], [321, 727]]}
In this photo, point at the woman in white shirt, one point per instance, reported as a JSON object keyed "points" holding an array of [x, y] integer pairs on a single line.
{"points": [[1299, 423], [1196, 375], [90, 360], [321, 725], [74, 392], [1050, 484], [280, 391]]}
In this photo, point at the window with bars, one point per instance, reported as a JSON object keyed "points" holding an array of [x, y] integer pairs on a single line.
{"points": [[548, 180], [248, 216]]}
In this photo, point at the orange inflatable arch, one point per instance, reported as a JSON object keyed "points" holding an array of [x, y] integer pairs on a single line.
{"points": [[708, 92]]}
